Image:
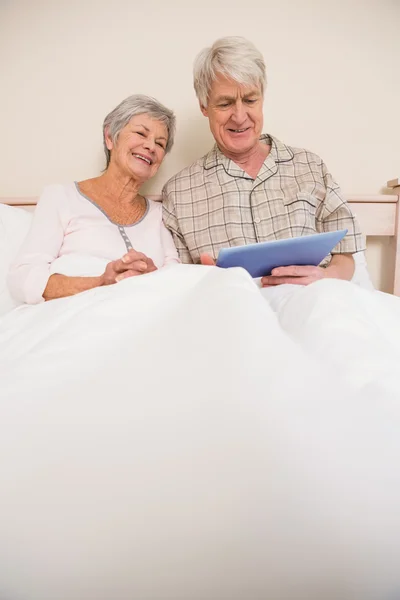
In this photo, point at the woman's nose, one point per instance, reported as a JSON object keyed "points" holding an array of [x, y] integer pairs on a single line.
{"points": [[149, 143]]}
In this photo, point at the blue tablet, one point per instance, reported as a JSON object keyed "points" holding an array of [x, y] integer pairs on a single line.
{"points": [[260, 259]]}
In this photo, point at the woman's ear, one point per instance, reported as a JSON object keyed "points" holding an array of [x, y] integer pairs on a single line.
{"points": [[108, 139]]}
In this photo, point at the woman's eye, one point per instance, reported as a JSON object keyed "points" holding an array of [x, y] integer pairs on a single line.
{"points": [[161, 145], [140, 133]]}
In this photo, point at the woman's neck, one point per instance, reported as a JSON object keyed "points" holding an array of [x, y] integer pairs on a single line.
{"points": [[123, 188]]}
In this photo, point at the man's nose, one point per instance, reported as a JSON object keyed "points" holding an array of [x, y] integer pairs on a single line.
{"points": [[239, 113]]}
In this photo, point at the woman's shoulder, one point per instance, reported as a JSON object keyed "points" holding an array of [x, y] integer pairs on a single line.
{"points": [[153, 206], [57, 198], [155, 199], [58, 191]]}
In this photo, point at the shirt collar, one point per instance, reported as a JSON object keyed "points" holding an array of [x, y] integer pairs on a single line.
{"points": [[279, 152]]}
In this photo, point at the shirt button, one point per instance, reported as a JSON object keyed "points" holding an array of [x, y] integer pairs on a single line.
{"points": [[257, 220]]}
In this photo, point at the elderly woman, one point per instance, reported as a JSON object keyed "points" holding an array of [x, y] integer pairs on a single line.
{"points": [[251, 187], [98, 231]]}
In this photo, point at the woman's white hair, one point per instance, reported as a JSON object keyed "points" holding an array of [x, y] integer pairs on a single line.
{"points": [[233, 56], [137, 104]]}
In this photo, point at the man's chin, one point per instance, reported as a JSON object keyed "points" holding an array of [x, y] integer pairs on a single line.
{"points": [[239, 146]]}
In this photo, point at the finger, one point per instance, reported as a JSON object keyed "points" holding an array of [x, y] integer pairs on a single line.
{"points": [[150, 265], [137, 265], [272, 281], [294, 271], [127, 274], [206, 259], [118, 266], [132, 255], [151, 268]]}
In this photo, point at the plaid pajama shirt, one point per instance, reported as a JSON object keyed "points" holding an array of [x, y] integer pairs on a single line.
{"points": [[215, 204]]}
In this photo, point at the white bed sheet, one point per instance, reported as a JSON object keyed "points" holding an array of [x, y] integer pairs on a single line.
{"points": [[177, 436]]}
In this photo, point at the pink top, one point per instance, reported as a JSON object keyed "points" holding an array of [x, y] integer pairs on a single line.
{"points": [[68, 227]]}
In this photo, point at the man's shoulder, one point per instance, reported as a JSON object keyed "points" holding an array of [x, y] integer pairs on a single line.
{"points": [[299, 154], [194, 173], [304, 153]]}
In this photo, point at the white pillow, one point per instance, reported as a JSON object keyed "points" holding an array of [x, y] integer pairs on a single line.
{"points": [[14, 225], [361, 276]]}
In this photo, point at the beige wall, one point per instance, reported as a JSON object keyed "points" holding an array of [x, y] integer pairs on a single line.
{"points": [[333, 70]]}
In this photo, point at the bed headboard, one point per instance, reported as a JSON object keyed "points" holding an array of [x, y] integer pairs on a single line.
{"points": [[25, 201], [379, 215]]}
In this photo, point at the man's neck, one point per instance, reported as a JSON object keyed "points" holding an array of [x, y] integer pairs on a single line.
{"points": [[251, 160]]}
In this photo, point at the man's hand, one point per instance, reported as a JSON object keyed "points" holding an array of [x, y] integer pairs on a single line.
{"points": [[297, 275], [206, 259], [131, 264], [340, 267]]}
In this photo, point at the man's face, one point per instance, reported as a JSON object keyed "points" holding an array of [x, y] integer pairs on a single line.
{"points": [[235, 115]]}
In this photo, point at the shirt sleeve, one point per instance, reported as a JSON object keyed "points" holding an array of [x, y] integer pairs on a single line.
{"points": [[30, 271], [335, 214], [170, 251], [171, 223]]}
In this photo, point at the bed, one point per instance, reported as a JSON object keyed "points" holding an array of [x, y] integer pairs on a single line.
{"points": [[378, 215], [184, 435]]}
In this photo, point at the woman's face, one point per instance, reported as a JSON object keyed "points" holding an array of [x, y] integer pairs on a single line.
{"points": [[140, 147]]}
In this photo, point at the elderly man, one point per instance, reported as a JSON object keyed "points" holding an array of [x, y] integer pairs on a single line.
{"points": [[251, 187]]}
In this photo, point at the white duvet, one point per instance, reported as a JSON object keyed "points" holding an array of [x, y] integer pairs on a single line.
{"points": [[186, 436]]}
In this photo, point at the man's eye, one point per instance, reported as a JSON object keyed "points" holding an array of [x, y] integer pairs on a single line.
{"points": [[251, 101], [224, 105]]}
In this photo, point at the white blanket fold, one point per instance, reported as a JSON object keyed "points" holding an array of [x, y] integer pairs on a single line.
{"points": [[172, 437]]}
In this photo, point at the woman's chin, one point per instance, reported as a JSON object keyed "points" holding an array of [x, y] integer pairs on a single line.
{"points": [[142, 174]]}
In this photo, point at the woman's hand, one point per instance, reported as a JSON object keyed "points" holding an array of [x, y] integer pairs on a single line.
{"points": [[131, 264]]}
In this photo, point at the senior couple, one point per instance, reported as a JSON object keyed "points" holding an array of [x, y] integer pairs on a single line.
{"points": [[249, 188]]}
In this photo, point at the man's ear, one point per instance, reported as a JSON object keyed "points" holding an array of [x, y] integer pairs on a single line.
{"points": [[204, 109], [108, 139]]}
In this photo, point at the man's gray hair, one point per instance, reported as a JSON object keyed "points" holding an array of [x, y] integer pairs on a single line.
{"points": [[232, 56], [137, 104]]}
